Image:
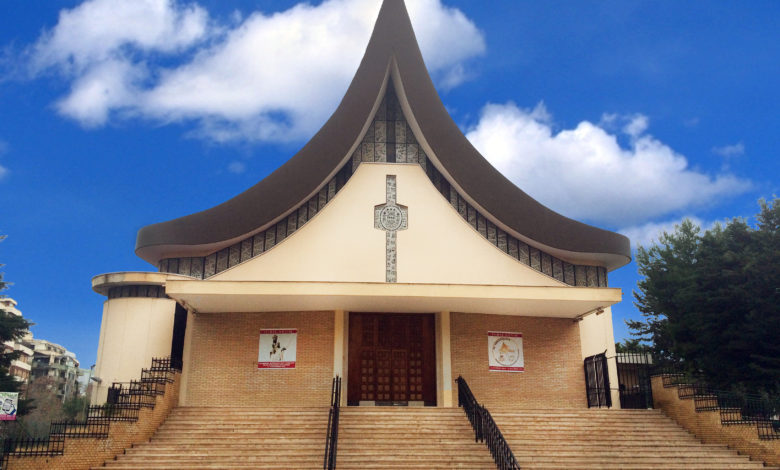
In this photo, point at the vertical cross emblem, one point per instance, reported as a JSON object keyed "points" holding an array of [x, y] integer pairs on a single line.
{"points": [[391, 218]]}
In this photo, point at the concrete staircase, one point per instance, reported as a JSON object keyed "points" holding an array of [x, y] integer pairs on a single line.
{"points": [[409, 438], [422, 438], [232, 438], [609, 439]]}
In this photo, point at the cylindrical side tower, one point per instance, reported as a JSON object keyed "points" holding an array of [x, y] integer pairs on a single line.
{"points": [[137, 325]]}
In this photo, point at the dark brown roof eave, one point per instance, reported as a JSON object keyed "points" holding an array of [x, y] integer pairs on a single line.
{"points": [[294, 181]]}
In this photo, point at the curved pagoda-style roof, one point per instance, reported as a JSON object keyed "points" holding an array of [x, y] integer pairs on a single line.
{"points": [[392, 46]]}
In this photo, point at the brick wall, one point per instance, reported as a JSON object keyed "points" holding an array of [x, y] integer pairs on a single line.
{"points": [[223, 362], [83, 453], [706, 425], [553, 376]]}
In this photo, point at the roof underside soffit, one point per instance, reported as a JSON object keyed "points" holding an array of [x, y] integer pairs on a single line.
{"points": [[387, 139]]}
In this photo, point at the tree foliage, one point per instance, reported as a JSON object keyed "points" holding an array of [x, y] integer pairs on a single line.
{"points": [[710, 300], [12, 328], [48, 407]]}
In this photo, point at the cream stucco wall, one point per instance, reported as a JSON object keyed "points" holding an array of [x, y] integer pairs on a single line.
{"points": [[133, 331], [596, 337], [341, 244]]}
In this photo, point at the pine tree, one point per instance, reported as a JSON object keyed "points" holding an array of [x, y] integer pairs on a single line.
{"points": [[710, 301]]}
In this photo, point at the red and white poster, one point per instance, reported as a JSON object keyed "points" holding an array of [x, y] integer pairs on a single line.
{"points": [[505, 350], [277, 348], [8, 403]]}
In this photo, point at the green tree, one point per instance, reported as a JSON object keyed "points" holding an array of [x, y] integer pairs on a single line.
{"points": [[48, 407], [710, 300], [12, 328], [631, 345], [74, 408]]}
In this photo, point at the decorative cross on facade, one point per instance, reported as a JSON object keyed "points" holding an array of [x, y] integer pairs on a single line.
{"points": [[391, 218]]}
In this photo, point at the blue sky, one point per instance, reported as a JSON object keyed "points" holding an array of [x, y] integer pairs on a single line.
{"points": [[627, 115]]}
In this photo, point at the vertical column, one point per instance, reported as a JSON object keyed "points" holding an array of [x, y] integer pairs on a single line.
{"points": [[186, 357], [340, 344], [443, 361]]}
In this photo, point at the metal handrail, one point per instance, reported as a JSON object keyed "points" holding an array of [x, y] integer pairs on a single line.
{"points": [[332, 438], [485, 428]]}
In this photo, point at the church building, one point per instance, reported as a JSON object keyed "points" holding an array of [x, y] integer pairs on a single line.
{"points": [[388, 252]]}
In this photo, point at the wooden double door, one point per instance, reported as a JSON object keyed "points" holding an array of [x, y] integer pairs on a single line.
{"points": [[392, 359]]}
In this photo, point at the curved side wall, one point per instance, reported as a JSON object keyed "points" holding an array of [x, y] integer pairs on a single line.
{"points": [[133, 331]]}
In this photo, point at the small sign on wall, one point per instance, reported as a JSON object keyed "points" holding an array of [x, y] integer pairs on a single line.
{"points": [[505, 351], [8, 403], [278, 348]]}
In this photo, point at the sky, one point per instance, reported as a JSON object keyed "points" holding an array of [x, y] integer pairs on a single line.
{"points": [[628, 115]]}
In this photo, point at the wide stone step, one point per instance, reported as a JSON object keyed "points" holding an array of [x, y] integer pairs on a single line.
{"points": [[638, 466], [422, 438]]}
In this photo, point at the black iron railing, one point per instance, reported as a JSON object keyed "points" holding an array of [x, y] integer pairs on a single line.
{"points": [[634, 370], [113, 412], [332, 439], [143, 393], [168, 364], [123, 403], [32, 447], [597, 381], [734, 408], [87, 428], [485, 428]]}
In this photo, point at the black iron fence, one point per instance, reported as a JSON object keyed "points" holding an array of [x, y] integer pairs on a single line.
{"points": [[86, 428], [734, 408], [485, 428], [32, 447], [123, 403], [332, 439], [168, 364], [113, 412], [634, 370], [159, 376], [597, 381], [135, 393]]}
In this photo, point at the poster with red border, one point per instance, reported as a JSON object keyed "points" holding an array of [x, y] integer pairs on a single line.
{"points": [[278, 348], [8, 403], [505, 351]]}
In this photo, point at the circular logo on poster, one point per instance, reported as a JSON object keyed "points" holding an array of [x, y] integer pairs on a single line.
{"points": [[506, 351], [390, 218]]}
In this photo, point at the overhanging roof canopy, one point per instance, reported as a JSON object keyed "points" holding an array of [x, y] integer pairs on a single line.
{"points": [[392, 42], [273, 296]]}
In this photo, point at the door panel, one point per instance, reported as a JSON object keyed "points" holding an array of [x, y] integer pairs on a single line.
{"points": [[391, 359]]}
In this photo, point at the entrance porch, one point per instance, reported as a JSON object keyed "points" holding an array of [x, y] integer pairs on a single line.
{"points": [[406, 351]]}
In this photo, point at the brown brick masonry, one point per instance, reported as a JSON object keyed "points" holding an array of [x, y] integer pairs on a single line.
{"points": [[553, 376], [223, 360], [83, 453], [706, 425]]}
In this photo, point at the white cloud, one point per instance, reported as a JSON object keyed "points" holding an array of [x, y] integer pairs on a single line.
{"points": [[104, 86], [647, 234], [101, 30], [636, 125], [236, 167], [268, 77], [730, 150], [585, 173], [3, 150]]}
